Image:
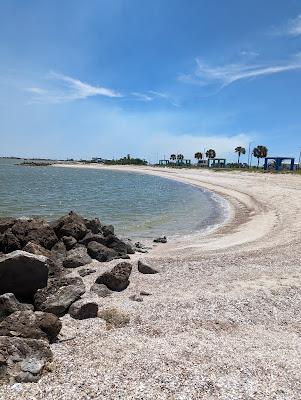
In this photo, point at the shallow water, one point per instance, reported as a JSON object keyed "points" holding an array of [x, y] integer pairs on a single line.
{"points": [[139, 206]]}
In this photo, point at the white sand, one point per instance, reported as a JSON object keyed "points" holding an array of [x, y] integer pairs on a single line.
{"points": [[223, 320]]}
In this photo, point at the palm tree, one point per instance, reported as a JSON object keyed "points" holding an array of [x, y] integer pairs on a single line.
{"points": [[198, 155], [180, 157], [260, 152], [239, 150], [210, 153], [173, 157]]}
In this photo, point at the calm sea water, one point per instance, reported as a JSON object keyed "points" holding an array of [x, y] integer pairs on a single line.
{"points": [[139, 206]]}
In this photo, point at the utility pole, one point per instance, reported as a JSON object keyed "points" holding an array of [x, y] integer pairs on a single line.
{"points": [[299, 162], [249, 155]]}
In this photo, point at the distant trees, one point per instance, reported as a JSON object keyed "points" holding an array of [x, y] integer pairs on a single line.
{"points": [[128, 160], [239, 150], [260, 152], [180, 157], [173, 157], [210, 153], [198, 155]]}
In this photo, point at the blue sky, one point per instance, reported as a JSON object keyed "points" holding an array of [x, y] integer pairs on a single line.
{"points": [[149, 78]]}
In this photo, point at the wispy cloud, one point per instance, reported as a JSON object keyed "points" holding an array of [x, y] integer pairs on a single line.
{"points": [[152, 95], [223, 76], [291, 28], [66, 88]]}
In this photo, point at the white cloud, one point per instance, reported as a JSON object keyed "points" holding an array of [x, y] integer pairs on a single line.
{"points": [[152, 95], [68, 89], [142, 96], [225, 75], [294, 26]]}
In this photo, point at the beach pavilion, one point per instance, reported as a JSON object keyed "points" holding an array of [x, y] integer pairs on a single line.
{"points": [[277, 163]]}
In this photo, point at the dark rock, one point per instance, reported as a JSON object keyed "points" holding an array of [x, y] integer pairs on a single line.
{"points": [[35, 230], [86, 271], [9, 242], [83, 309], [77, 257], [23, 360], [146, 269], [92, 237], [100, 252], [9, 304], [108, 230], [54, 266], [113, 242], [33, 325], [6, 223], [101, 290], [70, 225], [60, 293], [94, 225], [143, 293], [161, 239], [69, 242], [118, 278], [59, 251], [22, 273]]}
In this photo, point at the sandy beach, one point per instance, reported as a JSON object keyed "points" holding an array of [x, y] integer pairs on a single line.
{"points": [[223, 319]]}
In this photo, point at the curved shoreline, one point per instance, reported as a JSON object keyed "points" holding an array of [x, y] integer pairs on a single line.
{"points": [[240, 226]]}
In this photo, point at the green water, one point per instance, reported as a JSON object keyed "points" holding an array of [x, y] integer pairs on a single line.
{"points": [[139, 206]]}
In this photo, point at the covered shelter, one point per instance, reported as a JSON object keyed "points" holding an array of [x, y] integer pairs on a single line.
{"points": [[278, 163], [216, 162], [164, 162]]}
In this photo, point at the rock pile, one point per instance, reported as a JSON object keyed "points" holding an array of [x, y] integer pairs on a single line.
{"points": [[35, 289]]}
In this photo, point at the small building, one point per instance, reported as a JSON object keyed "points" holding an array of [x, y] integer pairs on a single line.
{"points": [[97, 160], [278, 164], [164, 162], [216, 162], [202, 163]]}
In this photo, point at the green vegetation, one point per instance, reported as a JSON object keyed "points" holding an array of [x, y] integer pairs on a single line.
{"points": [[240, 150], [128, 160], [210, 153], [260, 152]]}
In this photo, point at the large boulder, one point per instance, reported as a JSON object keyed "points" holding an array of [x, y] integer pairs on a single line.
{"points": [[58, 296], [35, 230], [22, 273], [108, 230], [70, 225], [101, 252], [9, 304], [23, 360], [118, 278], [101, 290], [6, 223], [54, 265], [33, 325], [77, 257], [83, 309]]}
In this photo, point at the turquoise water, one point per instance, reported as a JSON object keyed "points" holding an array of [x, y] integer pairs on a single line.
{"points": [[139, 206]]}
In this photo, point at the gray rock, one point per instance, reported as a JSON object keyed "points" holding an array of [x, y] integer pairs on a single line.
{"points": [[23, 360], [108, 230], [59, 251], [54, 266], [83, 309], [58, 296], [146, 269], [118, 278], [113, 242], [100, 252], [33, 325], [101, 290], [143, 293], [22, 273], [9, 304], [86, 271], [69, 242], [77, 257], [135, 297]]}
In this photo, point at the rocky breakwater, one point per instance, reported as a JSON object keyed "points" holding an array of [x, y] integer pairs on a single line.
{"points": [[36, 289]]}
